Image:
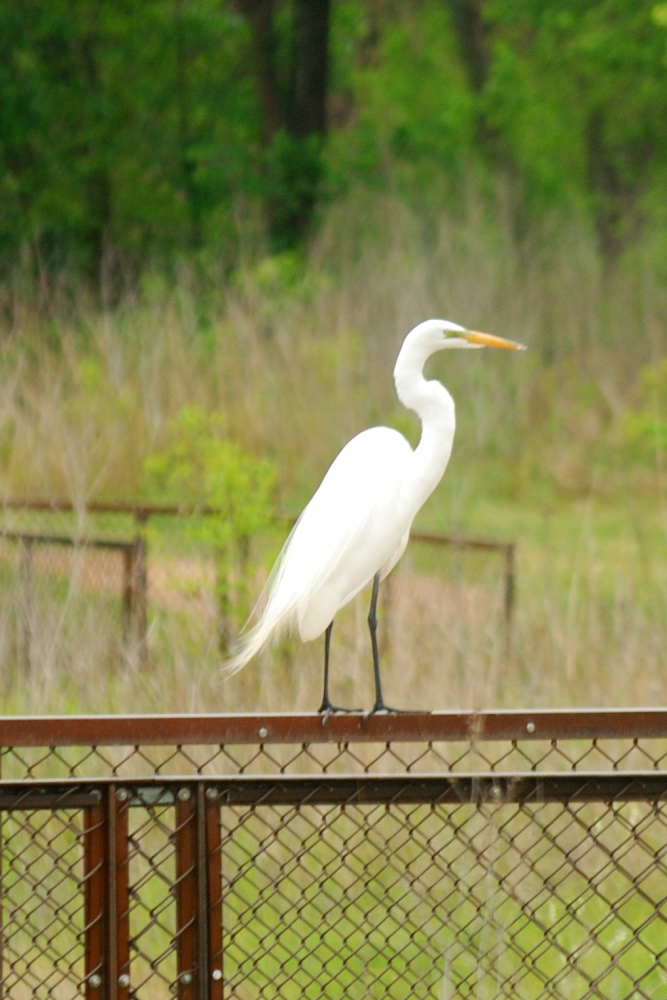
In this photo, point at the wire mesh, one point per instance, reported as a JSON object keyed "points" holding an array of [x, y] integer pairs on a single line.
{"points": [[152, 903], [43, 910], [536, 901], [225, 865], [131, 760]]}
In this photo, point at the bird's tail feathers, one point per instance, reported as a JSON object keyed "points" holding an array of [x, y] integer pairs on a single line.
{"points": [[269, 627], [307, 557], [273, 616]]}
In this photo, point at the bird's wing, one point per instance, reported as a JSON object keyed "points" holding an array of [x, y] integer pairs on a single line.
{"points": [[365, 475], [362, 481]]}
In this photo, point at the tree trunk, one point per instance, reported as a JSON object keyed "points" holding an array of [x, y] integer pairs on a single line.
{"points": [[187, 166], [260, 18], [293, 124], [469, 25], [618, 219], [97, 182], [309, 100]]}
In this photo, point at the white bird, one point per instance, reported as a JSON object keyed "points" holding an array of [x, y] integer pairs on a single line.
{"points": [[357, 525]]}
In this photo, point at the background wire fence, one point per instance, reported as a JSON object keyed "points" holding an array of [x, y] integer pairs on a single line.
{"points": [[445, 855], [100, 591]]}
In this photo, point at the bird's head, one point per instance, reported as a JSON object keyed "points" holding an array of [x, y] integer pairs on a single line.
{"points": [[440, 334]]}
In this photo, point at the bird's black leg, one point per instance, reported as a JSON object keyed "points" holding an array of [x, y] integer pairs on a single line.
{"points": [[379, 705], [326, 705], [326, 708]]}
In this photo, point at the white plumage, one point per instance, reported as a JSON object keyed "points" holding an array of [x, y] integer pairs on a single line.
{"points": [[357, 525]]}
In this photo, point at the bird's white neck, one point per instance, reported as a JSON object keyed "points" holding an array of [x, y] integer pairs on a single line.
{"points": [[435, 408]]}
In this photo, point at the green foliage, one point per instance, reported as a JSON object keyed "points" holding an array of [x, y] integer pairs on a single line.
{"points": [[414, 105], [132, 123], [578, 94], [417, 93], [131, 131], [278, 274], [645, 436], [202, 466], [293, 184], [644, 429], [660, 18]]}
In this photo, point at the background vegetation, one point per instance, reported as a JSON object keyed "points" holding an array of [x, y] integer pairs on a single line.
{"points": [[143, 132], [167, 244]]}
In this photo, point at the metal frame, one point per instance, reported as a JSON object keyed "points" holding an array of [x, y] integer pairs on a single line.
{"points": [[197, 809], [197, 803], [106, 893], [267, 728], [192, 796]]}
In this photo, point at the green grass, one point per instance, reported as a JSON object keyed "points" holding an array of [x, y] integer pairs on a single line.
{"points": [[622, 540]]}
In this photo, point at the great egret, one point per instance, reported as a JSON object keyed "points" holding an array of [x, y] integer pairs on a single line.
{"points": [[357, 525]]}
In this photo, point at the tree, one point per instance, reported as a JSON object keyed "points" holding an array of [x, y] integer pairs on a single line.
{"points": [[292, 98], [127, 125], [137, 131], [577, 89], [468, 22], [202, 465]]}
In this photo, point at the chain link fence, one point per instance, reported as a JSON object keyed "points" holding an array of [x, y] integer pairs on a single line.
{"points": [[116, 585], [506, 854]]}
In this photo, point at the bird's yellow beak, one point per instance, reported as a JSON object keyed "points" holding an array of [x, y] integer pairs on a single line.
{"points": [[488, 340]]}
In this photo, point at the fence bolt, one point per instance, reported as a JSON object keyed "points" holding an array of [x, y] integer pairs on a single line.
{"points": [[495, 793], [185, 978], [184, 795], [211, 793], [95, 980], [217, 975], [96, 795], [124, 980], [121, 794], [530, 727], [263, 733]]}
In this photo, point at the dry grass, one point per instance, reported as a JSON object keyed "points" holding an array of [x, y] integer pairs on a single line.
{"points": [[299, 359]]}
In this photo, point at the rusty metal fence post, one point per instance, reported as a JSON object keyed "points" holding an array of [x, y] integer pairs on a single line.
{"points": [[212, 859], [197, 888], [141, 584], [106, 896], [188, 930], [129, 559], [508, 599]]}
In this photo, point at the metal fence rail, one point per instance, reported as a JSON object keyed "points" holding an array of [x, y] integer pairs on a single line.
{"points": [[501, 854]]}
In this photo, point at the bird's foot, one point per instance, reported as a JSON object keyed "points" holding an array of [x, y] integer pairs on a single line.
{"points": [[380, 708], [326, 709]]}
